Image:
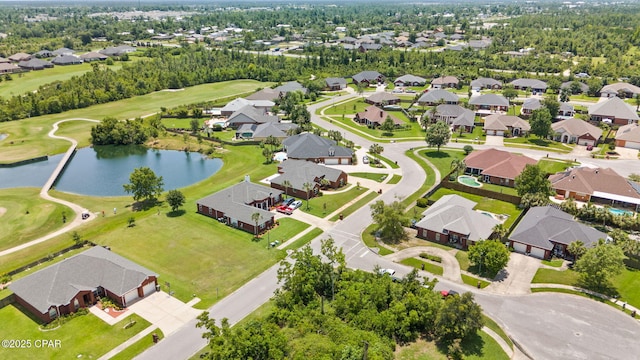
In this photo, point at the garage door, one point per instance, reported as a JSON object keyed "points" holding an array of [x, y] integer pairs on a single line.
{"points": [[537, 252], [130, 297], [519, 247], [632, 145], [331, 161], [149, 289], [585, 142]]}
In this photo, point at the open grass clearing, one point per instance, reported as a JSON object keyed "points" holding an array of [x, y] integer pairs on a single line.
{"points": [[304, 239], [395, 179], [552, 166], [287, 229], [488, 322], [473, 281], [553, 262], [500, 189], [409, 131], [138, 347], [428, 183], [428, 266], [371, 176], [84, 336], [28, 137], [355, 206], [392, 164], [442, 159], [463, 260], [26, 216], [321, 206], [475, 347]]}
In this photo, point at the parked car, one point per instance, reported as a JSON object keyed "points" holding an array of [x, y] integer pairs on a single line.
{"points": [[589, 147], [284, 209], [365, 159], [288, 201], [296, 204], [447, 293], [389, 272]]}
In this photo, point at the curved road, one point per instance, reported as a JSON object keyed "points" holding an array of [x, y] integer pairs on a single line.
{"points": [[545, 325]]}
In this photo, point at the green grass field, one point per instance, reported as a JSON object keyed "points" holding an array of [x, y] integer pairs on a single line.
{"points": [[85, 336], [552, 166], [287, 229], [28, 137], [355, 206], [442, 159], [370, 240], [17, 227], [394, 179], [322, 206], [488, 322], [371, 176], [138, 347], [416, 263], [473, 281], [304, 239], [480, 346]]}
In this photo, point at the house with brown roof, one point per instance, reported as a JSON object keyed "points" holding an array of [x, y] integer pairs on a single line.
{"points": [[373, 117], [614, 110], [444, 82], [576, 131], [497, 166], [300, 172], [18, 57], [505, 125], [600, 185], [628, 136], [382, 98], [7, 68]]}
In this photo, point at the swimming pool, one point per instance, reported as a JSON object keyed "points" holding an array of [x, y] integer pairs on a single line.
{"points": [[469, 181], [620, 212]]}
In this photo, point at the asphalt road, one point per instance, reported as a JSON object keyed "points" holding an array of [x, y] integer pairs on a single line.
{"points": [[545, 325]]}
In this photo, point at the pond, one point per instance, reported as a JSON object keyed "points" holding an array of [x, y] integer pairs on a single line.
{"points": [[102, 170]]}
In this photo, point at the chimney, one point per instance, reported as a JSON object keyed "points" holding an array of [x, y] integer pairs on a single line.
{"points": [[247, 178]]}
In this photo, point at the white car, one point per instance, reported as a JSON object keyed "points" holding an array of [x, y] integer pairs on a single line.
{"points": [[365, 160], [389, 272], [296, 204]]}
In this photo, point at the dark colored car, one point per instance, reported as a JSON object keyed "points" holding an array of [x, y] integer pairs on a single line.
{"points": [[447, 293]]}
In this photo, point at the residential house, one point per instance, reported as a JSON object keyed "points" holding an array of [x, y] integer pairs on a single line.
{"points": [[566, 111], [533, 85], [628, 136], [62, 51], [250, 115], [80, 281], [600, 185], [480, 44], [486, 83], [364, 47], [260, 132], [263, 106], [311, 147], [410, 80], [18, 57], [35, 64], [118, 50], [373, 117], [301, 172], [93, 56], [619, 89], [367, 78], [382, 98], [66, 60], [6, 68], [497, 166], [4, 60], [444, 82], [452, 220], [454, 115], [505, 125], [576, 131], [529, 105], [486, 104], [237, 204], [43, 54], [291, 86], [437, 97], [264, 94], [576, 87], [545, 231], [613, 110], [335, 84]]}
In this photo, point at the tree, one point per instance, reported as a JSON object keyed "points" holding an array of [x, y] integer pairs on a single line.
{"points": [[467, 149], [533, 180], [534, 199], [458, 318], [458, 165], [195, 125], [438, 134], [390, 220], [510, 93], [307, 189], [388, 126], [554, 84], [144, 184], [492, 255], [268, 155], [287, 185], [628, 245], [175, 198], [256, 219], [272, 141], [577, 249], [598, 265], [552, 105], [501, 231], [540, 122], [375, 149]]}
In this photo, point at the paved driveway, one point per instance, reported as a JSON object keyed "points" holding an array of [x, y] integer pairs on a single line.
{"points": [[164, 311], [493, 140], [516, 278]]}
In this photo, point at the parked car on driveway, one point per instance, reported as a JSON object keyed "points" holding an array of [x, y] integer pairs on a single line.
{"points": [[296, 204], [288, 201], [284, 209], [365, 159]]}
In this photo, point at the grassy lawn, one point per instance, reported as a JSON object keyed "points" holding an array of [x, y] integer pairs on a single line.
{"points": [[391, 164], [473, 281], [83, 336], [480, 346], [538, 143], [428, 183], [549, 276], [138, 347], [553, 262], [350, 107], [321, 206], [371, 176], [552, 166], [477, 133], [486, 204], [287, 229], [500, 189], [411, 131], [304, 239], [488, 322], [394, 179], [17, 227], [355, 206], [28, 135], [463, 260], [369, 239], [442, 159], [430, 267]]}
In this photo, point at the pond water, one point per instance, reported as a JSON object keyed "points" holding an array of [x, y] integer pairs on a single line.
{"points": [[102, 170]]}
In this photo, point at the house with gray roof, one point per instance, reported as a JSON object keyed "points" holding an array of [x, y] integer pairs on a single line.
{"points": [[410, 80], [452, 220], [66, 60], [486, 83], [236, 205], [248, 114], [576, 87], [311, 147], [63, 51], [35, 64], [438, 96], [620, 89], [93, 56], [628, 136], [454, 115], [300, 172], [505, 125], [565, 111], [486, 104], [480, 44], [444, 82], [44, 54], [613, 110], [364, 47], [534, 85], [335, 84], [545, 231], [576, 131], [367, 78], [264, 94], [291, 86], [263, 106], [80, 281], [382, 98], [529, 105], [118, 50], [260, 132]]}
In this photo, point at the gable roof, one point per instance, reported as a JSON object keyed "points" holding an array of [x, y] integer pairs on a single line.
{"points": [[66, 60], [531, 104], [59, 283], [264, 94], [615, 88], [277, 130], [615, 108], [333, 81], [489, 99], [455, 213], [433, 96], [235, 105], [504, 122], [93, 55], [248, 113], [309, 146], [234, 200], [382, 96], [485, 82], [600, 182], [376, 115], [299, 172], [368, 76], [529, 83], [498, 163], [408, 78], [577, 127], [462, 116], [35, 63], [542, 226], [442, 80], [290, 87], [63, 51], [629, 132]]}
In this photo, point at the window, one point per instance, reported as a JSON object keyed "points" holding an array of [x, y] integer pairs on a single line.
{"points": [[76, 304], [53, 313], [437, 236]]}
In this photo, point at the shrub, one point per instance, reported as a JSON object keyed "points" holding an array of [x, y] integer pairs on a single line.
{"points": [[467, 149], [422, 202], [612, 146], [431, 257]]}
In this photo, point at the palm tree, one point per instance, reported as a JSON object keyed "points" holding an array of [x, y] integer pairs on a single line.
{"points": [[501, 231], [307, 188], [287, 185], [458, 165], [256, 218]]}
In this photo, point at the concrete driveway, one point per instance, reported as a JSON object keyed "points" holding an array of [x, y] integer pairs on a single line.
{"points": [[166, 312], [516, 278], [493, 140]]}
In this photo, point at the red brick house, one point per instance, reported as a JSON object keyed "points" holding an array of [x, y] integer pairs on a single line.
{"points": [[382, 98], [300, 172], [497, 166], [373, 117], [311, 147], [79, 282]]}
